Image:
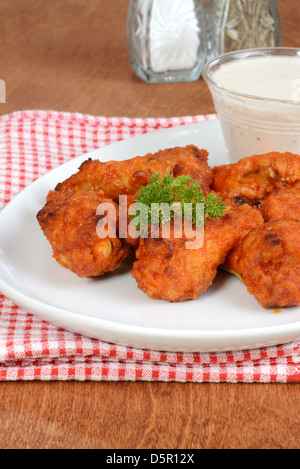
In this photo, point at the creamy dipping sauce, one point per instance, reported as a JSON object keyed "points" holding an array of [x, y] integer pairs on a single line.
{"points": [[258, 125], [265, 77]]}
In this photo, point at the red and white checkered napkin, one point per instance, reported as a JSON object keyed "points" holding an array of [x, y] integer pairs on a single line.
{"points": [[32, 143]]}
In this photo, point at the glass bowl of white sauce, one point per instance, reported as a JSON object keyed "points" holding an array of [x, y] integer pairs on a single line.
{"points": [[256, 93]]}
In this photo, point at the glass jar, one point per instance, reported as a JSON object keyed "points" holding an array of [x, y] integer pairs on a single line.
{"points": [[242, 24], [213, 12], [166, 40]]}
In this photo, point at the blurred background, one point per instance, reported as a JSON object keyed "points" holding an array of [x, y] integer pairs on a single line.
{"points": [[71, 55]]}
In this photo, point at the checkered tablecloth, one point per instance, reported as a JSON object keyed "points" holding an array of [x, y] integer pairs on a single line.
{"points": [[32, 143]]}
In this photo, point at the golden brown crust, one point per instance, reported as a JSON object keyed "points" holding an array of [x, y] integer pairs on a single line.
{"points": [[69, 222], [117, 178], [166, 269], [268, 262], [258, 176], [283, 203]]}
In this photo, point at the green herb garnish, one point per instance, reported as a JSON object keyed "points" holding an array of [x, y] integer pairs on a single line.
{"points": [[181, 194]]}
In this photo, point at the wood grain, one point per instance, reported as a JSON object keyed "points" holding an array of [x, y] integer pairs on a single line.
{"points": [[148, 415], [72, 56]]}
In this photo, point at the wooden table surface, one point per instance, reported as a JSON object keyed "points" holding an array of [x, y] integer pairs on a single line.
{"points": [[72, 56]]}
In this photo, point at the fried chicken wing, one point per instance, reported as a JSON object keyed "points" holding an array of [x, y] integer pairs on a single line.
{"points": [[69, 221], [117, 178], [255, 177], [267, 261], [166, 269], [283, 203]]}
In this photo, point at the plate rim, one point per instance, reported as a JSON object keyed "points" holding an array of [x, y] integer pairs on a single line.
{"points": [[254, 335]]}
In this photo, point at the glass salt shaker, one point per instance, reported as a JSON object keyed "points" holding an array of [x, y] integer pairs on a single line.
{"points": [[166, 39], [242, 24]]}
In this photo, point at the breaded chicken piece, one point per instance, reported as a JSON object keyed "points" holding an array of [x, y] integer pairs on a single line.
{"points": [[268, 262], [69, 221], [117, 178], [283, 203], [166, 269], [257, 176]]}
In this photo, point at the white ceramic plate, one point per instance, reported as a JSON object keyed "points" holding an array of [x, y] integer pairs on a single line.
{"points": [[112, 308]]}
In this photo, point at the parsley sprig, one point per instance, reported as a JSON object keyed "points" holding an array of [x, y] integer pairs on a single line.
{"points": [[182, 192]]}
